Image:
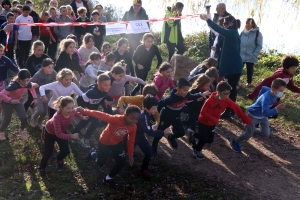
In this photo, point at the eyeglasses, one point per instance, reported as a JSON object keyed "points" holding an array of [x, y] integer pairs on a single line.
{"points": [[226, 94]]}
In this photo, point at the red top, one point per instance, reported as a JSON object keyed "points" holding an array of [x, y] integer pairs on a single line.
{"points": [[115, 130], [58, 124], [45, 30], [213, 108]]}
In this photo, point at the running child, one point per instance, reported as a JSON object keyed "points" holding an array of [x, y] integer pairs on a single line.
{"points": [[108, 62], [105, 49]]}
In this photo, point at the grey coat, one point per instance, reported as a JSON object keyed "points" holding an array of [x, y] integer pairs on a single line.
{"points": [[63, 31], [250, 46]]}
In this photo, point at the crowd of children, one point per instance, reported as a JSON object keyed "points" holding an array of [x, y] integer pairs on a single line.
{"points": [[96, 78]]}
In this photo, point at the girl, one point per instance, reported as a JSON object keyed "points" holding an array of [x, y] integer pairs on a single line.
{"points": [[201, 68], [11, 97], [71, 36], [143, 57], [63, 86], [105, 49], [108, 62], [87, 47], [91, 70], [68, 58], [163, 80], [202, 84], [55, 131], [71, 13], [44, 76]]}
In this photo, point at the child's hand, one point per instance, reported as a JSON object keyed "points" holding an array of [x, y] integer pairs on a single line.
{"points": [[108, 103], [35, 85], [131, 160], [280, 106], [154, 127], [14, 101], [167, 131], [74, 136], [121, 110], [205, 94], [200, 99], [85, 117], [44, 99], [34, 102], [79, 109], [140, 66]]}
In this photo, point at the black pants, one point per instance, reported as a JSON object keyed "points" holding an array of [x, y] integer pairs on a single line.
{"points": [[171, 48], [206, 135], [116, 151], [46, 41], [99, 42], [9, 52], [51, 112], [142, 74], [52, 49], [28, 103], [233, 81], [24, 49], [249, 67], [50, 139]]}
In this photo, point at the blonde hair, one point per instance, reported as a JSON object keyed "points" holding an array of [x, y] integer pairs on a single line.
{"points": [[63, 73], [63, 101], [36, 44], [200, 82], [65, 43], [72, 13]]}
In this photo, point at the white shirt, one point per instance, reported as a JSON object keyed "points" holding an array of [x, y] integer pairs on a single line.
{"points": [[90, 76], [24, 32], [78, 5], [59, 90]]}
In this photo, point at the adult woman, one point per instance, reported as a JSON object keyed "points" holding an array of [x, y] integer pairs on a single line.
{"points": [[251, 45], [136, 12], [230, 65]]}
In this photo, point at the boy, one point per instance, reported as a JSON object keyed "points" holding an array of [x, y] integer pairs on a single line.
{"points": [[63, 31], [53, 43], [24, 35], [170, 109], [91, 100], [289, 67], [35, 29], [209, 117], [6, 5], [110, 141], [20, 7], [81, 30], [260, 111], [98, 31], [42, 77], [13, 37], [45, 30], [15, 3]]}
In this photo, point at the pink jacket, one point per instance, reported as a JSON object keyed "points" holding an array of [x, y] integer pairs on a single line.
{"points": [[15, 91], [162, 85]]}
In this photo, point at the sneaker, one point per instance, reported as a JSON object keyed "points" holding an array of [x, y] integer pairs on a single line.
{"points": [[40, 126], [235, 146], [60, 165], [172, 142], [2, 135], [23, 133], [89, 156], [42, 172], [85, 142], [136, 156], [146, 174], [33, 122], [191, 136], [111, 183], [198, 155]]}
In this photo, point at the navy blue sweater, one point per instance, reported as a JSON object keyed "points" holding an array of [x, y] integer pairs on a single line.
{"points": [[6, 64], [144, 125]]}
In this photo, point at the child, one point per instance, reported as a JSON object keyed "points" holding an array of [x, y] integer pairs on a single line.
{"points": [[213, 74], [210, 115], [143, 57], [11, 97], [71, 13], [24, 35], [163, 80], [90, 74], [15, 3], [63, 86], [68, 58], [35, 17], [55, 131], [289, 65], [170, 109], [200, 69], [63, 31], [202, 84], [260, 111], [110, 141], [87, 47], [13, 37], [54, 4], [81, 30], [44, 76], [73, 37], [6, 5], [98, 31], [91, 100], [45, 30], [105, 49], [53, 42], [122, 53], [108, 62]]}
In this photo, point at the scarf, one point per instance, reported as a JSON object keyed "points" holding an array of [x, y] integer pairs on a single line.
{"points": [[247, 31]]}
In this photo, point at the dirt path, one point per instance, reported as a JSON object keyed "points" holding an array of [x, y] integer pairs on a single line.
{"points": [[267, 168]]}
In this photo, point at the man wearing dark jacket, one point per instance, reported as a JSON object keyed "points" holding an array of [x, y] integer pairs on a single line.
{"points": [[80, 3]]}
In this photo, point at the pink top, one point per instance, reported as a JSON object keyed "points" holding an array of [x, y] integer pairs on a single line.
{"points": [[58, 124], [81, 62], [162, 85], [16, 92]]}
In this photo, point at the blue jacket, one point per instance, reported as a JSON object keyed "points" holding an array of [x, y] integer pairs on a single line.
{"points": [[230, 59], [261, 108], [6, 64], [250, 45], [144, 125]]}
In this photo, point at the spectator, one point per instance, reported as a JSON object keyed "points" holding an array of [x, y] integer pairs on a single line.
{"points": [[251, 45], [80, 3], [53, 43], [63, 31], [7, 7], [54, 4], [35, 29], [71, 13], [83, 29]]}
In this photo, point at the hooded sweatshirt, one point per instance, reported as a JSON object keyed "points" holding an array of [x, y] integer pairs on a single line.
{"points": [[214, 107], [162, 85], [251, 45], [279, 73]]}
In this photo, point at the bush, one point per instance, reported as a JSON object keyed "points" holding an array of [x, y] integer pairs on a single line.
{"points": [[198, 46]]}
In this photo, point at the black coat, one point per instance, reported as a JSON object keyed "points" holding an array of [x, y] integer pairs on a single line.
{"points": [[74, 7], [64, 61]]}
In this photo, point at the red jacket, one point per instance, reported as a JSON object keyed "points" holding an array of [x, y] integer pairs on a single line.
{"points": [[213, 108], [280, 73]]}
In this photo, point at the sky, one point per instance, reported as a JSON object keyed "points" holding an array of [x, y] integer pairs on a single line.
{"points": [[279, 26]]}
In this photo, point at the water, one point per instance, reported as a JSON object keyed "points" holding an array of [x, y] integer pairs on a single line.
{"points": [[277, 19]]}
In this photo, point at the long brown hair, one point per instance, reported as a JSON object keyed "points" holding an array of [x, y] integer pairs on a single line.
{"points": [[200, 82]]}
